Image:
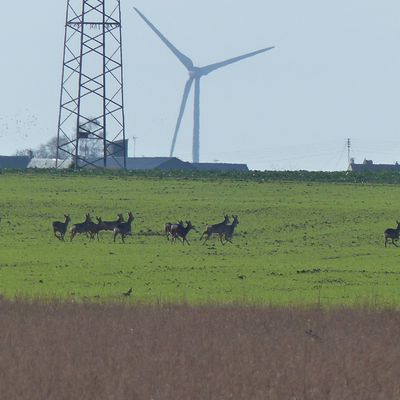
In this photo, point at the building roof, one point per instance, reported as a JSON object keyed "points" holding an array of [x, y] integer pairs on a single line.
{"points": [[368, 165], [220, 167], [143, 163], [157, 163]]}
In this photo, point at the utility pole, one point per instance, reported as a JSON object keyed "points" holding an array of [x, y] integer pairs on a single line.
{"points": [[91, 98], [348, 144]]}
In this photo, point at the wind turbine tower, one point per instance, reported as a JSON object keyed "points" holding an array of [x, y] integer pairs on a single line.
{"points": [[195, 74], [91, 99]]}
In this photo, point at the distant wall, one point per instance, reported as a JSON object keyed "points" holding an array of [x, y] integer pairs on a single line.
{"points": [[14, 162]]}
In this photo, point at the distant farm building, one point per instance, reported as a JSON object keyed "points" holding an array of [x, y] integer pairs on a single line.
{"points": [[168, 163], [45, 163], [143, 163], [14, 162], [132, 163], [369, 166], [220, 167]]}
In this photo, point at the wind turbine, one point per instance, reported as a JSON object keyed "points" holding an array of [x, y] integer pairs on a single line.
{"points": [[195, 73]]}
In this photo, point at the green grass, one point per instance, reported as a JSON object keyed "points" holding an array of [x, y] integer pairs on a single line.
{"points": [[296, 243]]}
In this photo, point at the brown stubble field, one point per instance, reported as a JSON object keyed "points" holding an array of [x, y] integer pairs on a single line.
{"points": [[52, 350]]}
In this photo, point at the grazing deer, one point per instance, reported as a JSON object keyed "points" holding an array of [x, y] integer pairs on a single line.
{"points": [[61, 227], [392, 234], [168, 226], [216, 229], [124, 228], [180, 231], [82, 227], [230, 229]]}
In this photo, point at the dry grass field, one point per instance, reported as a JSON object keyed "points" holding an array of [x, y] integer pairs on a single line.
{"points": [[117, 351]]}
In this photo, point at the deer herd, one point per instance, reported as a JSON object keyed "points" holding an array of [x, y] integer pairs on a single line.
{"points": [[173, 231]]}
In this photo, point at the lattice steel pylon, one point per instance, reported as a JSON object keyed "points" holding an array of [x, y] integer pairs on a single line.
{"points": [[91, 125]]}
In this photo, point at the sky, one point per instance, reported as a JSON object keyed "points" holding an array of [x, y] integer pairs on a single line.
{"points": [[334, 74]]}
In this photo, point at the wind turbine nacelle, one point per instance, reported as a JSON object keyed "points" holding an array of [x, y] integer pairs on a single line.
{"points": [[195, 72]]}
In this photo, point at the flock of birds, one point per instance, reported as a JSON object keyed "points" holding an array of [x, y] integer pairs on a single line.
{"points": [[173, 231]]}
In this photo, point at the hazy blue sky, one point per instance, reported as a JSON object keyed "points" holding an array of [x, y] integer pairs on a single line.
{"points": [[334, 74]]}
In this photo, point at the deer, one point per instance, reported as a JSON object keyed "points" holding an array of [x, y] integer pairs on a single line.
{"points": [[110, 225], [230, 229], [61, 227], [101, 225], [82, 227], [94, 229], [168, 226], [180, 231], [216, 229], [392, 234], [124, 228]]}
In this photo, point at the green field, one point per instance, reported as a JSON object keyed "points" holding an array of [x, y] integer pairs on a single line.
{"points": [[296, 243]]}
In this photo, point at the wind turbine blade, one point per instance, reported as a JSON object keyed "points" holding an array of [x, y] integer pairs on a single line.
{"points": [[186, 92], [212, 67], [186, 61]]}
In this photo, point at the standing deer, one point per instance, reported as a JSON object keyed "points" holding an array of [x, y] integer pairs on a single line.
{"points": [[82, 227], [94, 229], [61, 227], [230, 229], [124, 228], [216, 229], [392, 234], [168, 226], [180, 231], [110, 225]]}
